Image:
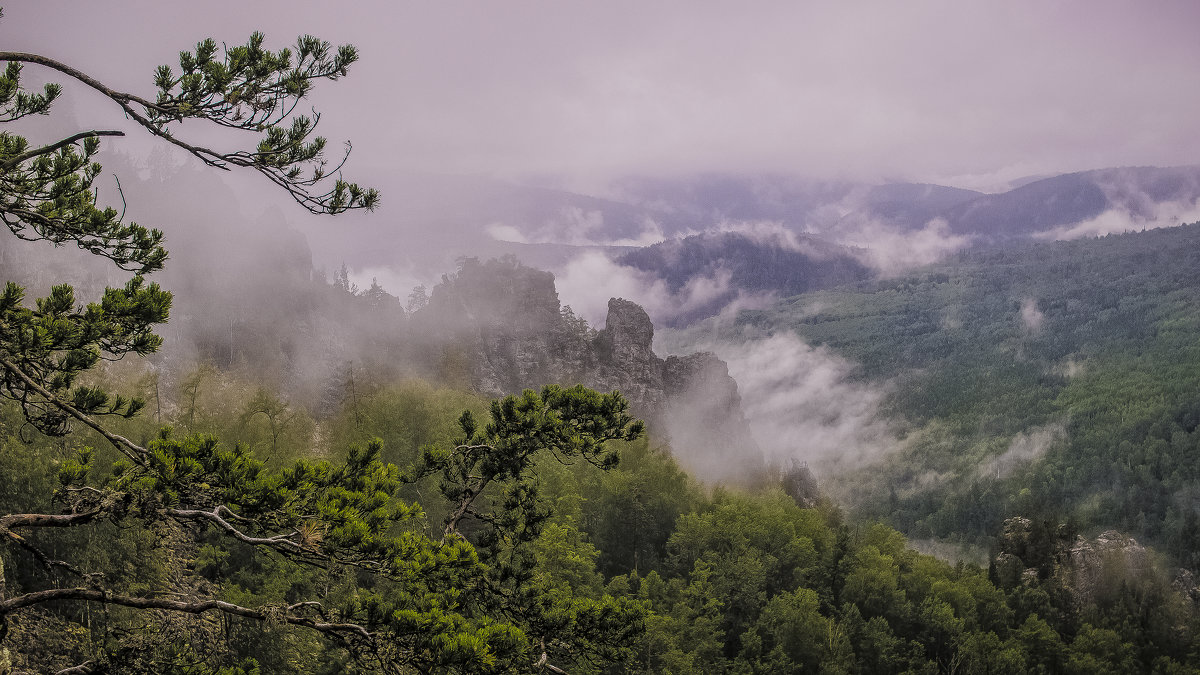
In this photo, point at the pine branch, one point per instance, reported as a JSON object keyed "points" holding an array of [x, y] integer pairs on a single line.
{"points": [[127, 447], [47, 149], [280, 541], [188, 607], [341, 197]]}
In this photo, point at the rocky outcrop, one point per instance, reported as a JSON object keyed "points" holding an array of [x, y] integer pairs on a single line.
{"points": [[1028, 550], [625, 357], [493, 326], [703, 419], [1111, 555], [1091, 570], [500, 326], [692, 398], [702, 373]]}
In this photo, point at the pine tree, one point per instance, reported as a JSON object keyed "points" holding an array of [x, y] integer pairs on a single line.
{"points": [[360, 576], [47, 194], [432, 603]]}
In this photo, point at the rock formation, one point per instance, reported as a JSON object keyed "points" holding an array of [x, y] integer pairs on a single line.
{"points": [[499, 326], [625, 358]]}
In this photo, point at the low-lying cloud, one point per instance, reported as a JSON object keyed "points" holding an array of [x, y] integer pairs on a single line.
{"points": [[1032, 318], [575, 226], [803, 403], [588, 281], [1127, 218], [891, 251], [1024, 448]]}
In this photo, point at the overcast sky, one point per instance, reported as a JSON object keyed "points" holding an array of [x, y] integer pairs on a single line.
{"points": [[957, 91]]}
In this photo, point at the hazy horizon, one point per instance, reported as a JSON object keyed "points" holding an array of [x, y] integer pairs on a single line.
{"points": [[574, 95], [448, 98]]}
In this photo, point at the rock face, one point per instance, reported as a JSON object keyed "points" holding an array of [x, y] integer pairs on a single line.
{"points": [[1029, 552], [1111, 555], [702, 372], [625, 358], [703, 418], [498, 327], [690, 398]]}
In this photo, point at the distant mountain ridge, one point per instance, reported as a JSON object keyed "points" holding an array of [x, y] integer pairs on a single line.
{"points": [[1046, 205], [1038, 206], [701, 237], [912, 205], [740, 263], [448, 216], [755, 263], [802, 205]]}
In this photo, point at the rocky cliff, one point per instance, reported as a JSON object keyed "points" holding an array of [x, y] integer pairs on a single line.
{"points": [[625, 359], [498, 327]]}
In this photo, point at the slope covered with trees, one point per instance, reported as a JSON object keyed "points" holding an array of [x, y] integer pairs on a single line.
{"points": [[1051, 378], [657, 573]]}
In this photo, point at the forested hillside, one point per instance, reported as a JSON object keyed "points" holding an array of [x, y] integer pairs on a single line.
{"points": [[778, 264], [1057, 379], [681, 579]]}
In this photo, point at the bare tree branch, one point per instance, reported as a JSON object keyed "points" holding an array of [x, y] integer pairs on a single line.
{"points": [[83, 77], [48, 562], [189, 607], [544, 662], [127, 447], [81, 669], [46, 149], [464, 505], [47, 519], [280, 541]]}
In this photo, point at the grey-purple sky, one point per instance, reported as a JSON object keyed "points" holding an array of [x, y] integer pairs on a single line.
{"points": [[957, 91]]}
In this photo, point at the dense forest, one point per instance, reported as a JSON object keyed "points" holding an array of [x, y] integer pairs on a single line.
{"points": [[634, 568], [1051, 378]]}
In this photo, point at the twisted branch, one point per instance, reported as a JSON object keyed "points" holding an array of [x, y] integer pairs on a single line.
{"points": [[193, 607], [279, 541], [127, 447]]}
